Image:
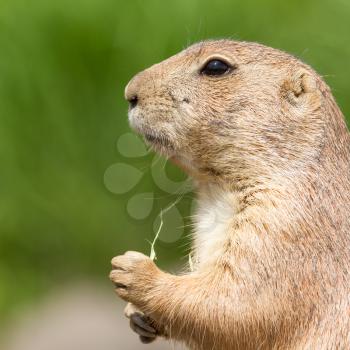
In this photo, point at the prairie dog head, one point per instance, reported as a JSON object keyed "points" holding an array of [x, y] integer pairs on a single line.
{"points": [[229, 110]]}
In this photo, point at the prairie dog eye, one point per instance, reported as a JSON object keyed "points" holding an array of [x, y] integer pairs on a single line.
{"points": [[215, 67]]}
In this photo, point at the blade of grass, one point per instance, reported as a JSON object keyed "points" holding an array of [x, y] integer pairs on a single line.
{"points": [[153, 254]]}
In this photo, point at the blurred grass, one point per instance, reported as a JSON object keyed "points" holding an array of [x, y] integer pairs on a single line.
{"points": [[63, 68]]}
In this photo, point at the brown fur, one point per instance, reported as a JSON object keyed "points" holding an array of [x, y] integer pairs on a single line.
{"points": [[269, 138]]}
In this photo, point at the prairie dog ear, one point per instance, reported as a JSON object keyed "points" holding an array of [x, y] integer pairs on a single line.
{"points": [[300, 85]]}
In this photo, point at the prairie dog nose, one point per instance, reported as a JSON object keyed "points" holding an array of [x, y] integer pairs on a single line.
{"points": [[133, 91], [133, 101]]}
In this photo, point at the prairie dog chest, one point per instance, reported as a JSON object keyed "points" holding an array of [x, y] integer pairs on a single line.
{"points": [[214, 214]]}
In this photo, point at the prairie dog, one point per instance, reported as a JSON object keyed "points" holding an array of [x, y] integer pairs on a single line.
{"points": [[269, 152]]}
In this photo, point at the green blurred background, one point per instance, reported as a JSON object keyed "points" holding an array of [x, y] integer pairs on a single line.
{"points": [[63, 69]]}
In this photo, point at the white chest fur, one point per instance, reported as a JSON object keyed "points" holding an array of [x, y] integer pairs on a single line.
{"points": [[215, 212]]}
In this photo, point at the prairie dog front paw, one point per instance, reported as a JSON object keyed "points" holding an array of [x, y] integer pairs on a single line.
{"points": [[132, 275]]}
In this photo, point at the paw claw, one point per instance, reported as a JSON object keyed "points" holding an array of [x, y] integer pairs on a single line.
{"points": [[140, 331], [119, 285], [143, 322], [146, 340]]}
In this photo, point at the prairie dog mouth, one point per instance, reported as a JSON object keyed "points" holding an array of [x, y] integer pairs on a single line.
{"points": [[158, 140]]}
